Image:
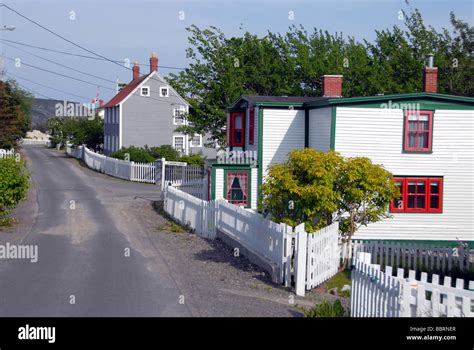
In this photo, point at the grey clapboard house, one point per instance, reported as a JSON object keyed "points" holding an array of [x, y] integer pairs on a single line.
{"points": [[147, 111]]}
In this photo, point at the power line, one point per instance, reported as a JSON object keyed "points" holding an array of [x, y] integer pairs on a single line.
{"points": [[48, 87], [82, 56], [80, 80], [32, 91], [60, 74], [69, 41], [61, 65]]}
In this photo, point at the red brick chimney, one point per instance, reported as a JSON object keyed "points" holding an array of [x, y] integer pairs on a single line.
{"points": [[101, 103], [332, 85], [153, 62], [136, 70], [430, 76]]}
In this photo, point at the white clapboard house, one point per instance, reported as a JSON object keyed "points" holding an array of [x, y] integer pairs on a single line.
{"points": [[425, 139]]}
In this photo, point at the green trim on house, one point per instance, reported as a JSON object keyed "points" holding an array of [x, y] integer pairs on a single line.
{"points": [[260, 157], [306, 128], [333, 128], [425, 99], [416, 242], [249, 183], [213, 183], [297, 105]]}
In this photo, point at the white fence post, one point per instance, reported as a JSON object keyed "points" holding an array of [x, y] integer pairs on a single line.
{"points": [[301, 253]]}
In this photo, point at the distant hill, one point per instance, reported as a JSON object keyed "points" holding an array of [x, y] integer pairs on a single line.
{"points": [[42, 109]]}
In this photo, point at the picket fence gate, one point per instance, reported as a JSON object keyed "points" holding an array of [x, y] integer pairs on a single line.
{"points": [[377, 293], [294, 252]]}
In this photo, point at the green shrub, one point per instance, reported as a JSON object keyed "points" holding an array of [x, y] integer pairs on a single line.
{"points": [[134, 154], [164, 151], [196, 159], [13, 186], [327, 309]]}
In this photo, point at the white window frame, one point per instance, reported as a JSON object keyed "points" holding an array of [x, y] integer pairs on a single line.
{"points": [[167, 89], [183, 111], [191, 141], [184, 142], [145, 87]]}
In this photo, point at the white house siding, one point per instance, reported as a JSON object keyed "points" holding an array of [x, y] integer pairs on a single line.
{"points": [[378, 134], [320, 129], [219, 184], [283, 131], [254, 182]]}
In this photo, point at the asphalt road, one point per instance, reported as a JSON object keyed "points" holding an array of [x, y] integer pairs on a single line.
{"points": [[91, 259]]}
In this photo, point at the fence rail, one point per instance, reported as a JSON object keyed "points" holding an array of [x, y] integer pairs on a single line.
{"points": [[138, 172], [379, 294], [35, 142], [415, 256]]}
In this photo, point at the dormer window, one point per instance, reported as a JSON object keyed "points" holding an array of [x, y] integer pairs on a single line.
{"points": [[164, 91], [237, 129], [145, 91]]}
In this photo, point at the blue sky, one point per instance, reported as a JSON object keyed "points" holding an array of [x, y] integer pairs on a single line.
{"points": [[133, 29]]}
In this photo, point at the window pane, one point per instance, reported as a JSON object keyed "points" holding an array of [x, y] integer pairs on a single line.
{"points": [[411, 201], [238, 122], [421, 188], [412, 187], [420, 202], [412, 139], [238, 137], [412, 125], [434, 187], [423, 140], [434, 202], [423, 125]]}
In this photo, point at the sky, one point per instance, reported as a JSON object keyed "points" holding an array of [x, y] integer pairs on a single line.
{"points": [[132, 30]]}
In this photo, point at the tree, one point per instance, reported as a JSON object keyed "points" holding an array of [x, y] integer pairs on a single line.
{"points": [[13, 186], [317, 188], [77, 131], [292, 64], [15, 106]]}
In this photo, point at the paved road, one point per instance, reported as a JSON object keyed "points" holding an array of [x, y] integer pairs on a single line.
{"points": [[84, 268]]}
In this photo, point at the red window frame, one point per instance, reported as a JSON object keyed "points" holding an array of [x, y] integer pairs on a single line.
{"points": [[234, 130], [428, 195], [251, 126], [418, 131], [244, 183]]}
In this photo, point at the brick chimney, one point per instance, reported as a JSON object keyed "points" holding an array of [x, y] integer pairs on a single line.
{"points": [[153, 62], [332, 85], [430, 76], [136, 70]]}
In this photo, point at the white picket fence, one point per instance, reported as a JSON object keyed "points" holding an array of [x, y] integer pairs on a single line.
{"points": [[7, 153], [294, 252], [414, 256], [376, 293], [138, 172], [35, 142]]}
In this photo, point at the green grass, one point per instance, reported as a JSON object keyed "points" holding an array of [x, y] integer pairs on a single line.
{"points": [[339, 280]]}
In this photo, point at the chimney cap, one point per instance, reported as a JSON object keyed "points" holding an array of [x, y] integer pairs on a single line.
{"points": [[430, 60], [153, 54], [332, 76]]}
